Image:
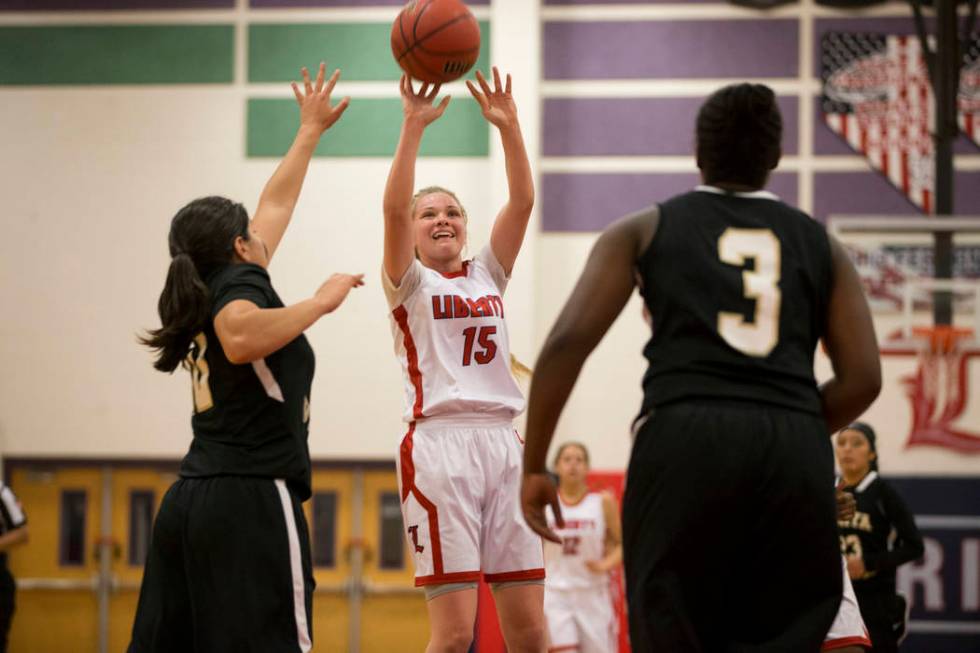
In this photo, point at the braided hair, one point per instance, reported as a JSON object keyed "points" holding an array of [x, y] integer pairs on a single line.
{"points": [[739, 130]]}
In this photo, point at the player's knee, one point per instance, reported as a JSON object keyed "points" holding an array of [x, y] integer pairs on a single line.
{"points": [[527, 638], [451, 640]]}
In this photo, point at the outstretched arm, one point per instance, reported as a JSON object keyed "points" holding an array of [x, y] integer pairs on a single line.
{"points": [[399, 246], [511, 224], [599, 296], [851, 344], [281, 193]]}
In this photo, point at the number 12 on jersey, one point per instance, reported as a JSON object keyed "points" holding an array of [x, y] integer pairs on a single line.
{"points": [[482, 337], [758, 337]]}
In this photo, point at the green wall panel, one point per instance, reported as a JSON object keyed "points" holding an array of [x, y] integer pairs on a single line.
{"points": [[369, 127], [361, 50], [117, 54]]}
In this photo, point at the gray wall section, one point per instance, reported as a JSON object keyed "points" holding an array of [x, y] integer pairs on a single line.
{"points": [[590, 201], [635, 126], [671, 49]]}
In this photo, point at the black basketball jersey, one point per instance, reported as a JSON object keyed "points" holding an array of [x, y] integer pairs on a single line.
{"points": [[737, 285], [250, 419], [882, 533]]}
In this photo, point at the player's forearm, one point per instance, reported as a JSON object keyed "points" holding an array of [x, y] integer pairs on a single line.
{"points": [[257, 333], [401, 178], [844, 399], [13, 538], [283, 188], [520, 179]]}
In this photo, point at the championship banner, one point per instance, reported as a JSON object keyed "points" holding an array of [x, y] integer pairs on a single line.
{"points": [[968, 101], [878, 98]]}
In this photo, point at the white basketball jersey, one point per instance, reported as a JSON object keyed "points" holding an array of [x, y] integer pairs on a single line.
{"points": [[451, 340], [583, 538]]}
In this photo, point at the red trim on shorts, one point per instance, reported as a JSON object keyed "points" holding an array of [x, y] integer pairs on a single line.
{"points": [[408, 485], [411, 353], [843, 642], [564, 647], [508, 576], [442, 579], [456, 275]]}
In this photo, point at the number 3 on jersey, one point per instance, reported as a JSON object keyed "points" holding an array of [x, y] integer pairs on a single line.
{"points": [[482, 337], [758, 337], [200, 372]]}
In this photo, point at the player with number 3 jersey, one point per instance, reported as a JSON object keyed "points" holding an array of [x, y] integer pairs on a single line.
{"points": [[460, 460], [729, 529]]}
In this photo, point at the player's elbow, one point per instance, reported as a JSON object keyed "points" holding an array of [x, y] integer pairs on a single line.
{"points": [[239, 350]]}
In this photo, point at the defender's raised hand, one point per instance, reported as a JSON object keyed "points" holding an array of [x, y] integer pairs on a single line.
{"points": [[497, 104], [418, 106], [314, 101]]}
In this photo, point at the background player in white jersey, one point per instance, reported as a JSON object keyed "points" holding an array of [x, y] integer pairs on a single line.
{"points": [[460, 461], [577, 602]]}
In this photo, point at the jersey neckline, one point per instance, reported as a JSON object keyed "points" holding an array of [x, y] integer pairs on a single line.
{"points": [[755, 195], [455, 275]]}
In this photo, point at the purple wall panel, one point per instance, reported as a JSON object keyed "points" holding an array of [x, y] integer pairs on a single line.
{"points": [[870, 193], [671, 49], [98, 5], [825, 141], [341, 3], [635, 126], [590, 201]]}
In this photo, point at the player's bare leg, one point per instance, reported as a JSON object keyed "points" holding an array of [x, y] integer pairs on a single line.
{"points": [[451, 619], [521, 612]]}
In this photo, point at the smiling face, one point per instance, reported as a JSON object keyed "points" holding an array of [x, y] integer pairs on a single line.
{"points": [[439, 224]]}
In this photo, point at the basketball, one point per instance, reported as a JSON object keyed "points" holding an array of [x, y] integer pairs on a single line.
{"points": [[435, 41]]}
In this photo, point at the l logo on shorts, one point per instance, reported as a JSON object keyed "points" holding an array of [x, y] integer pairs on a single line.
{"points": [[414, 532]]}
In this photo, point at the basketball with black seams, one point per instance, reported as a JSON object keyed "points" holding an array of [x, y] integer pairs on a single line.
{"points": [[435, 41]]}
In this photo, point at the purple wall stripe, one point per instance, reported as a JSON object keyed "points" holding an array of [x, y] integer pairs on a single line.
{"points": [[635, 126], [825, 141], [341, 3], [590, 201], [870, 193], [671, 49], [98, 5]]}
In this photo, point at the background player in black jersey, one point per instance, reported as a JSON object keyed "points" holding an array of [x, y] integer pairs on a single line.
{"points": [[13, 532], [229, 564], [729, 513], [864, 538]]}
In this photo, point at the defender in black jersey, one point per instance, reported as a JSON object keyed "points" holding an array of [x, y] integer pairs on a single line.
{"points": [[13, 532], [229, 567], [729, 527], [877, 539]]}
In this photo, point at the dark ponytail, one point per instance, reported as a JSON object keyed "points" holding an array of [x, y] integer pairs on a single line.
{"points": [[739, 134], [202, 239]]}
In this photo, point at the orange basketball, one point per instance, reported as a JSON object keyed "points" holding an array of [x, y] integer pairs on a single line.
{"points": [[435, 41]]}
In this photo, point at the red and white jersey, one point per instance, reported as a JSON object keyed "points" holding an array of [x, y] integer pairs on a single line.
{"points": [[583, 539], [451, 340]]}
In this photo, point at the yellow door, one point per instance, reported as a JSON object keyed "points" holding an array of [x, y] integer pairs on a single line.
{"points": [[393, 614], [136, 496], [57, 605], [328, 516]]}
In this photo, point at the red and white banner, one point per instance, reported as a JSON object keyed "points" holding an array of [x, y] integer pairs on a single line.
{"points": [[878, 98]]}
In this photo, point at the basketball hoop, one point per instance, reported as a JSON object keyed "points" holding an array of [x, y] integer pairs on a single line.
{"points": [[941, 338]]}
